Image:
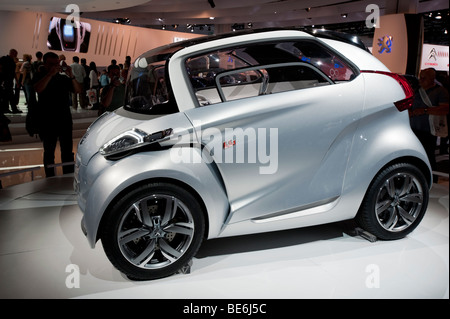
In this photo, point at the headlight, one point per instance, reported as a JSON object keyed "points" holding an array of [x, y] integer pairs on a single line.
{"points": [[132, 140]]}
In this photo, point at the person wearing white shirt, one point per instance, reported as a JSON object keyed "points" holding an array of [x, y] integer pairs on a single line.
{"points": [[79, 73], [94, 84]]}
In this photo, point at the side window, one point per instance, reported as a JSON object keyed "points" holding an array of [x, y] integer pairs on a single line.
{"points": [[322, 58], [203, 71], [264, 68], [250, 82]]}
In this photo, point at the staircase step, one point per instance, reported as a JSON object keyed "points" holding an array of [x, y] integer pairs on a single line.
{"points": [[82, 119]]}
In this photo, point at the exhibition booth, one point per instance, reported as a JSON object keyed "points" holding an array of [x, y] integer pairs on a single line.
{"points": [[45, 255]]}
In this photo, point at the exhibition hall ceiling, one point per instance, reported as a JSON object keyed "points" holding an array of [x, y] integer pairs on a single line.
{"points": [[61, 5], [218, 16]]}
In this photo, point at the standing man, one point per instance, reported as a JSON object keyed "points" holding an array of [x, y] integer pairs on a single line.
{"points": [[113, 95], [53, 85], [36, 64], [8, 76], [430, 99], [86, 82], [79, 73]]}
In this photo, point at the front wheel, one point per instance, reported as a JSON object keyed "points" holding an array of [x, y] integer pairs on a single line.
{"points": [[395, 202], [153, 231]]}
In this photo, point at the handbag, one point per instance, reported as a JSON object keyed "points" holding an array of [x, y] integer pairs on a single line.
{"points": [[438, 123]]}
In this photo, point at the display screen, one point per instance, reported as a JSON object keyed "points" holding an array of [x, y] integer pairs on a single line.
{"points": [[69, 33], [65, 35]]}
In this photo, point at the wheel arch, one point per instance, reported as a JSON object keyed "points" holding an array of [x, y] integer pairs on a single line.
{"points": [[421, 165], [364, 220], [167, 180]]}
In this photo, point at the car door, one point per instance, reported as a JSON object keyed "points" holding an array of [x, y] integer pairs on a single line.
{"points": [[280, 135]]}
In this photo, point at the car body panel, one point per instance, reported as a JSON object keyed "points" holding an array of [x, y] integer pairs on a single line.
{"points": [[310, 143]]}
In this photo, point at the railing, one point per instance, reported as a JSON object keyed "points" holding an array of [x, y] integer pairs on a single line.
{"points": [[440, 174]]}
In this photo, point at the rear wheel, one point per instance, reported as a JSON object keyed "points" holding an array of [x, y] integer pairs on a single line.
{"points": [[395, 203], [153, 231]]}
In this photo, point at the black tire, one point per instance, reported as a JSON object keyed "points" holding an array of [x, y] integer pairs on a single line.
{"points": [[395, 202], [159, 243]]}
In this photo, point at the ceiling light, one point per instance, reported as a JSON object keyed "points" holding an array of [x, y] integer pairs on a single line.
{"points": [[344, 15], [122, 20], [438, 16], [211, 18]]}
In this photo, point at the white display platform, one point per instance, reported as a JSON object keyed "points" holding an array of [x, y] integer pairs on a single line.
{"points": [[42, 248]]}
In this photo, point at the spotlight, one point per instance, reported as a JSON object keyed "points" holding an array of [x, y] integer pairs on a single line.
{"points": [[122, 20], [211, 3], [344, 15]]}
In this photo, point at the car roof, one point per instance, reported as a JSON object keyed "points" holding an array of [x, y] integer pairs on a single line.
{"points": [[166, 51]]}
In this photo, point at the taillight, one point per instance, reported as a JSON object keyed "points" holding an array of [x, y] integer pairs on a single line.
{"points": [[407, 102]]}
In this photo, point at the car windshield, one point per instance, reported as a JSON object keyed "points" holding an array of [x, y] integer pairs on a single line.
{"points": [[147, 90]]}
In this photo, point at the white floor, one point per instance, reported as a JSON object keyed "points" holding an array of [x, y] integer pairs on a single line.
{"points": [[43, 254]]}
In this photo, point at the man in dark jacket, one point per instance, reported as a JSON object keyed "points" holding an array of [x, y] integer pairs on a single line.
{"points": [[53, 85]]}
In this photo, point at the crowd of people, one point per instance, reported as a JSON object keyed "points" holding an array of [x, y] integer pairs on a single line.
{"points": [[52, 85]]}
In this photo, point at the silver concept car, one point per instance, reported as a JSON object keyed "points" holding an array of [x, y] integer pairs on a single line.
{"points": [[249, 133]]}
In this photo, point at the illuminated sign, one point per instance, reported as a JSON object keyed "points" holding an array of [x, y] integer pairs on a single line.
{"points": [[385, 44], [435, 56]]}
